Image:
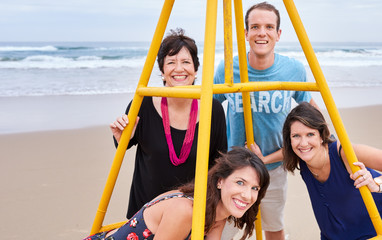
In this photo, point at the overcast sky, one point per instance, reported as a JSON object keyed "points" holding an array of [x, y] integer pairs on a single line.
{"points": [[135, 20]]}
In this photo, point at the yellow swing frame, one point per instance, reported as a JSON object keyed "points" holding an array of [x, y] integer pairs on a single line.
{"points": [[205, 92]]}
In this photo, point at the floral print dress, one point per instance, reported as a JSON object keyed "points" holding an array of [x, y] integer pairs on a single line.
{"points": [[135, 228]]}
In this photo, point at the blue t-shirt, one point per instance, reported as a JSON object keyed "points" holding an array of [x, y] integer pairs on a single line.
{"points": [[269, 108]]}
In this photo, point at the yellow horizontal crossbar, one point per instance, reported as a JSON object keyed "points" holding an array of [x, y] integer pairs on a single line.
{"points": [[180, 92], [264, 86], [195, 90]]}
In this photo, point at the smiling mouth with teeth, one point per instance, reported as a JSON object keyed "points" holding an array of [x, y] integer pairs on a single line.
{"points": [[179, 77], [304, 150], [240, 204], [261, 42]]}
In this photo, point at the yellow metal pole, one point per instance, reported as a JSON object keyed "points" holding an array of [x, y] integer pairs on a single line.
{"points": [[240, 33], [333, 112], [134, 109], [194, 91], [243, 69], [202, 156], [228, 55], [264, 86]]}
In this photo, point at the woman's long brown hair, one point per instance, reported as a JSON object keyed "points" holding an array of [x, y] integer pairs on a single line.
{"points": [[235, 159]]}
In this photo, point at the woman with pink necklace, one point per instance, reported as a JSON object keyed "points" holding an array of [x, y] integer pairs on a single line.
{"points": [[167, 131]]}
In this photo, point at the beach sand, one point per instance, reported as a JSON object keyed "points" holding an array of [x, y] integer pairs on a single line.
{"points": [[52, 181]]}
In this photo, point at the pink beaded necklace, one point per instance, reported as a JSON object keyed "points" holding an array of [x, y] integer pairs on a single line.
{"points": [[188, 139]]}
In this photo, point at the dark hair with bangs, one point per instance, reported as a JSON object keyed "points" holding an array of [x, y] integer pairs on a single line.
{"points": [[237, 158]]}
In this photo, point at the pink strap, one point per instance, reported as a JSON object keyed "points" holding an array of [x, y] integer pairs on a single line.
{"points": [[188, 139]]}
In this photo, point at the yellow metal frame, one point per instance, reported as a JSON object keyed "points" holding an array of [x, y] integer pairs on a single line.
{"points": [[205, 93]]}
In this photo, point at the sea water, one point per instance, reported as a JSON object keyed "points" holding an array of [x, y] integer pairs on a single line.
{"points": [[88, 68], [53, 85]]}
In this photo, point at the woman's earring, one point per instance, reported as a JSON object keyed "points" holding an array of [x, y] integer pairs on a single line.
{"points": [[196, 77], [219, 187], [162, 78]]}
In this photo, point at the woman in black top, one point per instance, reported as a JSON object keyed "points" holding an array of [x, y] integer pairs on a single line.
{"points": [[164, 161]]}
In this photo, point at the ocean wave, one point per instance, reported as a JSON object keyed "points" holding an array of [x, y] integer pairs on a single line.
{"points": [[73, 48], [44, 58], [56, 62], [48, 48], [64, 93], [10, 59], [345, 63], [62, 90], [89, 58], [91, 62], [93, 55], [337, 53], [41, 69], [340, 59]]}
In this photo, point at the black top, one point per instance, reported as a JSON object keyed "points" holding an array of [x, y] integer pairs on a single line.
{"points": [[154, 173]]}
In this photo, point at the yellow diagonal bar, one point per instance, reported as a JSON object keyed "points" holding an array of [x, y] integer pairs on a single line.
{"points": [[332, 110], [228, 55], [240, 34], [202, 155], [134, 109]]}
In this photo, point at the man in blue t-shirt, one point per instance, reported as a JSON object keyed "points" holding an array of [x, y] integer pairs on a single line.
{"points": [[269, 108]]}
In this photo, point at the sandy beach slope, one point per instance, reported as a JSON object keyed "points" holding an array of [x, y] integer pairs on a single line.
{"points": [[52, 181]]}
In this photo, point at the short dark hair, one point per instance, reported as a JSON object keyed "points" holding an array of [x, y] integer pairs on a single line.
{"points": [[263, 6], [173, 43], [310, 117]]}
